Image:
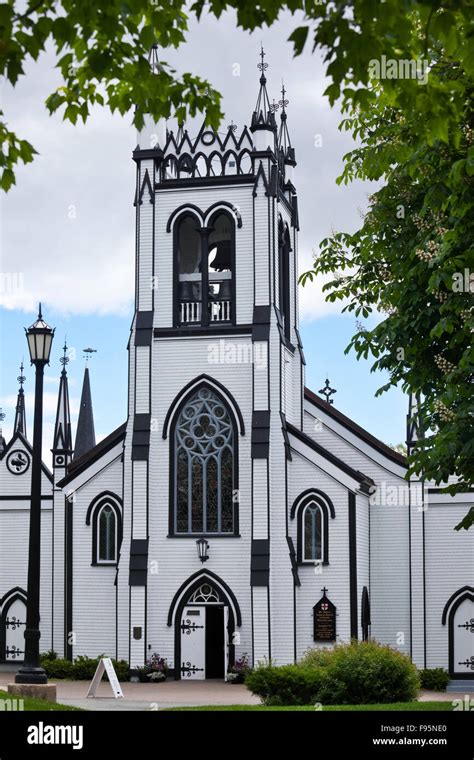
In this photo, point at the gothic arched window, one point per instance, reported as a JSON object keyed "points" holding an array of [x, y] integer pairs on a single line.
{"points": [[312, 533], [107, 530], [205, 446], [312, 510], [105, 516]]}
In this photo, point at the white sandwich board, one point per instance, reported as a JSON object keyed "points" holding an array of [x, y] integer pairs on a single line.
{"points": [[105, 666]]}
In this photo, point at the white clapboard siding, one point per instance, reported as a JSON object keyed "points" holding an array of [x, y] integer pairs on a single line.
{"points": [[94, 593]]}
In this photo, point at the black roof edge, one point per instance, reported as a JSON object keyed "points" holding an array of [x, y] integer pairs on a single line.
{"points": [[364, 480], [79, 465], [359, 431]]}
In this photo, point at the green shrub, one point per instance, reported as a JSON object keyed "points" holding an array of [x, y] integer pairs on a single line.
{"points": [[357, 673], [368, 673], [122, 669], [285, 685], [316, 658], [49, 655], [82, 669], [58, 668], [85, 667], [434, 679]]}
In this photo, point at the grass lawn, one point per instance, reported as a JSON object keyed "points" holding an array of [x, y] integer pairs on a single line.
{"points": [[31, 704], [395, 706]]}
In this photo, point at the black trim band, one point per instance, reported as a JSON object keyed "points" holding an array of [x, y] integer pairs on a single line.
{"points": [[353, 565], [138, 562], [260, 562]]}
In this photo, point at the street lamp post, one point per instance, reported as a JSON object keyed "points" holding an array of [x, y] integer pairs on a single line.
{"points": [[40, 338]]}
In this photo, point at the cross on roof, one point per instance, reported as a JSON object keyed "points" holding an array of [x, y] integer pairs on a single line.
{"points": [[327, 391]]}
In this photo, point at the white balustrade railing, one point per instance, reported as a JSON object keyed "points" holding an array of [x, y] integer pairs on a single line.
{"points": [[219, 311], [189, 312]]}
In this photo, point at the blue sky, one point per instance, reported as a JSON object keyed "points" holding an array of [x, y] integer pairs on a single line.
{"points": [[68, 227]]}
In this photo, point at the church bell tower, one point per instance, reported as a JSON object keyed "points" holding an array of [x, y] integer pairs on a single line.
{"points": [[216, 374]]}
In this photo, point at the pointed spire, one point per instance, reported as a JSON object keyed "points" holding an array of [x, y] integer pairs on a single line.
{"points": [[263, 116], [62, 429], [284, 142], [85, 434], [20, 413]]}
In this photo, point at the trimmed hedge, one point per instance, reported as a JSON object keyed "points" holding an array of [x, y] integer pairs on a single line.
{"points": [[82, 669], [350, 674], [434, 679], [285, 685], [58, 668]]}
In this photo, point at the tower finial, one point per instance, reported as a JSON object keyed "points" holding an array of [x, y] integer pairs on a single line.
{"points": [[40, 316], [262, 65], [64, 360], [21, 378], [20, 412]]}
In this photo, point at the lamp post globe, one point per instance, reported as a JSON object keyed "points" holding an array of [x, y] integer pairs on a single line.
{"points": [[40, 338]]}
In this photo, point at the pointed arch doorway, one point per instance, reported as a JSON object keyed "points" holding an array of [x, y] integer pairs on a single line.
{"points": [[205, 614]]}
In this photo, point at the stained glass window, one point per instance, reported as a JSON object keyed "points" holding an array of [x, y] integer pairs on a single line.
{"points": [[204, 466]]}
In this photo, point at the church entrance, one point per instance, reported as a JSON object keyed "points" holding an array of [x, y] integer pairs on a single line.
{"points": [[204, 635], [13, 622], [461, 635]]}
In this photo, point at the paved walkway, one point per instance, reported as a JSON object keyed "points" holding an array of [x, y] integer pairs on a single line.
{"points": [[149, 696]]}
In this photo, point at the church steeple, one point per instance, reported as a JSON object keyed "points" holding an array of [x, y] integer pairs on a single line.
{"points": [[85, 434], [62, 429], [263, 117], [20, 413], [283, 141]]}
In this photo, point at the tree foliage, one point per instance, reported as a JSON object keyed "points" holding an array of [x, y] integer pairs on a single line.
{"points": [[411, 263], [102, 53]]}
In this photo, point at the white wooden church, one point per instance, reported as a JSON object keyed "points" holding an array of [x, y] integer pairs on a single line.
{"points": [[235, 511]]}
